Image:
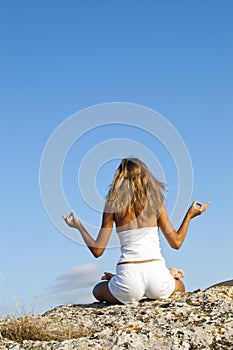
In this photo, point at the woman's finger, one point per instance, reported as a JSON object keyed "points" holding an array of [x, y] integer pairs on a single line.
{"points": [[197, 204], [204, 206], [64, 217], [207, 204]]}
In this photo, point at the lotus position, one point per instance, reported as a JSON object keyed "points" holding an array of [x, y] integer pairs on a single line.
{"points": [[176, 273], [135, 204]]}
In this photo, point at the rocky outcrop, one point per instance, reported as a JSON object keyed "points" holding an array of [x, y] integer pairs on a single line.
{"points": [[228, 283], [198, 320]]}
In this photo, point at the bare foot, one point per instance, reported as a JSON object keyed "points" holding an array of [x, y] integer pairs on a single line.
{"points": [[176, 273], [107, 276]]}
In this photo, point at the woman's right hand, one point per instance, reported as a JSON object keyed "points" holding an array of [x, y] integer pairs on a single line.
{"points": [[197, 208], [107, 276]]}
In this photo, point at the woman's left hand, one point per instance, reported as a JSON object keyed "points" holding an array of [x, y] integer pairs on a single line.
{"points": [[197, 208], [72, 220]]}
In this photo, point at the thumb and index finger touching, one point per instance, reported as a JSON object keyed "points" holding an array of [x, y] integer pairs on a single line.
{"points": [[202, 207], [68, 217]]}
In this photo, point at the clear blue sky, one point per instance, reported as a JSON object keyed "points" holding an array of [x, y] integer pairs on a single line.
{"points": [[58, 57]]}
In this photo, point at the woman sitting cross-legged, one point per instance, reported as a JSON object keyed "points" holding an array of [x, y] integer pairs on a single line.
{"points": [[135, 203]]}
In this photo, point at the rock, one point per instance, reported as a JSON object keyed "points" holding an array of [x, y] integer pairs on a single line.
{"points": [[200, 320], [228, 283]]}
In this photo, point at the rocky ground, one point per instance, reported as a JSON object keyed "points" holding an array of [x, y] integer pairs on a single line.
{"points": [[197, 320]]}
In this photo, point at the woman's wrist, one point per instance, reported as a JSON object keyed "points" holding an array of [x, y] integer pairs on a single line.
{"points": [[188, 216], [78, 225]]}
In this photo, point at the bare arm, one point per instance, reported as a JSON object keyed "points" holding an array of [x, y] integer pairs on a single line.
{"points": [[98, 245], [176, 238]]}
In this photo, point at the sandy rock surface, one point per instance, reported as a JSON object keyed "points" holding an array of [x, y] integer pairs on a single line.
{"points": [[198, 320]]}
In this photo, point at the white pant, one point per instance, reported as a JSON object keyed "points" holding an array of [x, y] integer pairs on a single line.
{"points": [[134, 281]]}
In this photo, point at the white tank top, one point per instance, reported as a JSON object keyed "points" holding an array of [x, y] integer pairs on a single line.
{"points": [[140, 244]]}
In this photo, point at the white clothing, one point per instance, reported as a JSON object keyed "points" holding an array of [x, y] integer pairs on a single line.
{"points": [[132, 282], [140, 244]]}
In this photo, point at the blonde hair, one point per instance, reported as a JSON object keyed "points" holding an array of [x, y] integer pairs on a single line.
{"points": [[135, 188]]}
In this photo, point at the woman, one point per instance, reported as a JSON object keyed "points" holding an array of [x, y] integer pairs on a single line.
{"points": [[135, 203]]}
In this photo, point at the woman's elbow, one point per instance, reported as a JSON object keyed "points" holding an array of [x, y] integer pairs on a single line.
{"points": [[175, 245], [97, 252]]}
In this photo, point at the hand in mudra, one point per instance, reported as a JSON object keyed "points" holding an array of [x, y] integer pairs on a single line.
{"points": [[71, 220], [197, 208], [107, 276]]}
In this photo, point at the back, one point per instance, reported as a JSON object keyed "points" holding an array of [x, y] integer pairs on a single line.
{"points": [[130, 221]]}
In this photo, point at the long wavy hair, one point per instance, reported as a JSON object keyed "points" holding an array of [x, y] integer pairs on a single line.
{"points": [[135, 188]]}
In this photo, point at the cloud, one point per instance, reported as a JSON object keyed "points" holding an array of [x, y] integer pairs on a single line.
{"points": [[79, 277], [82, 296]]}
